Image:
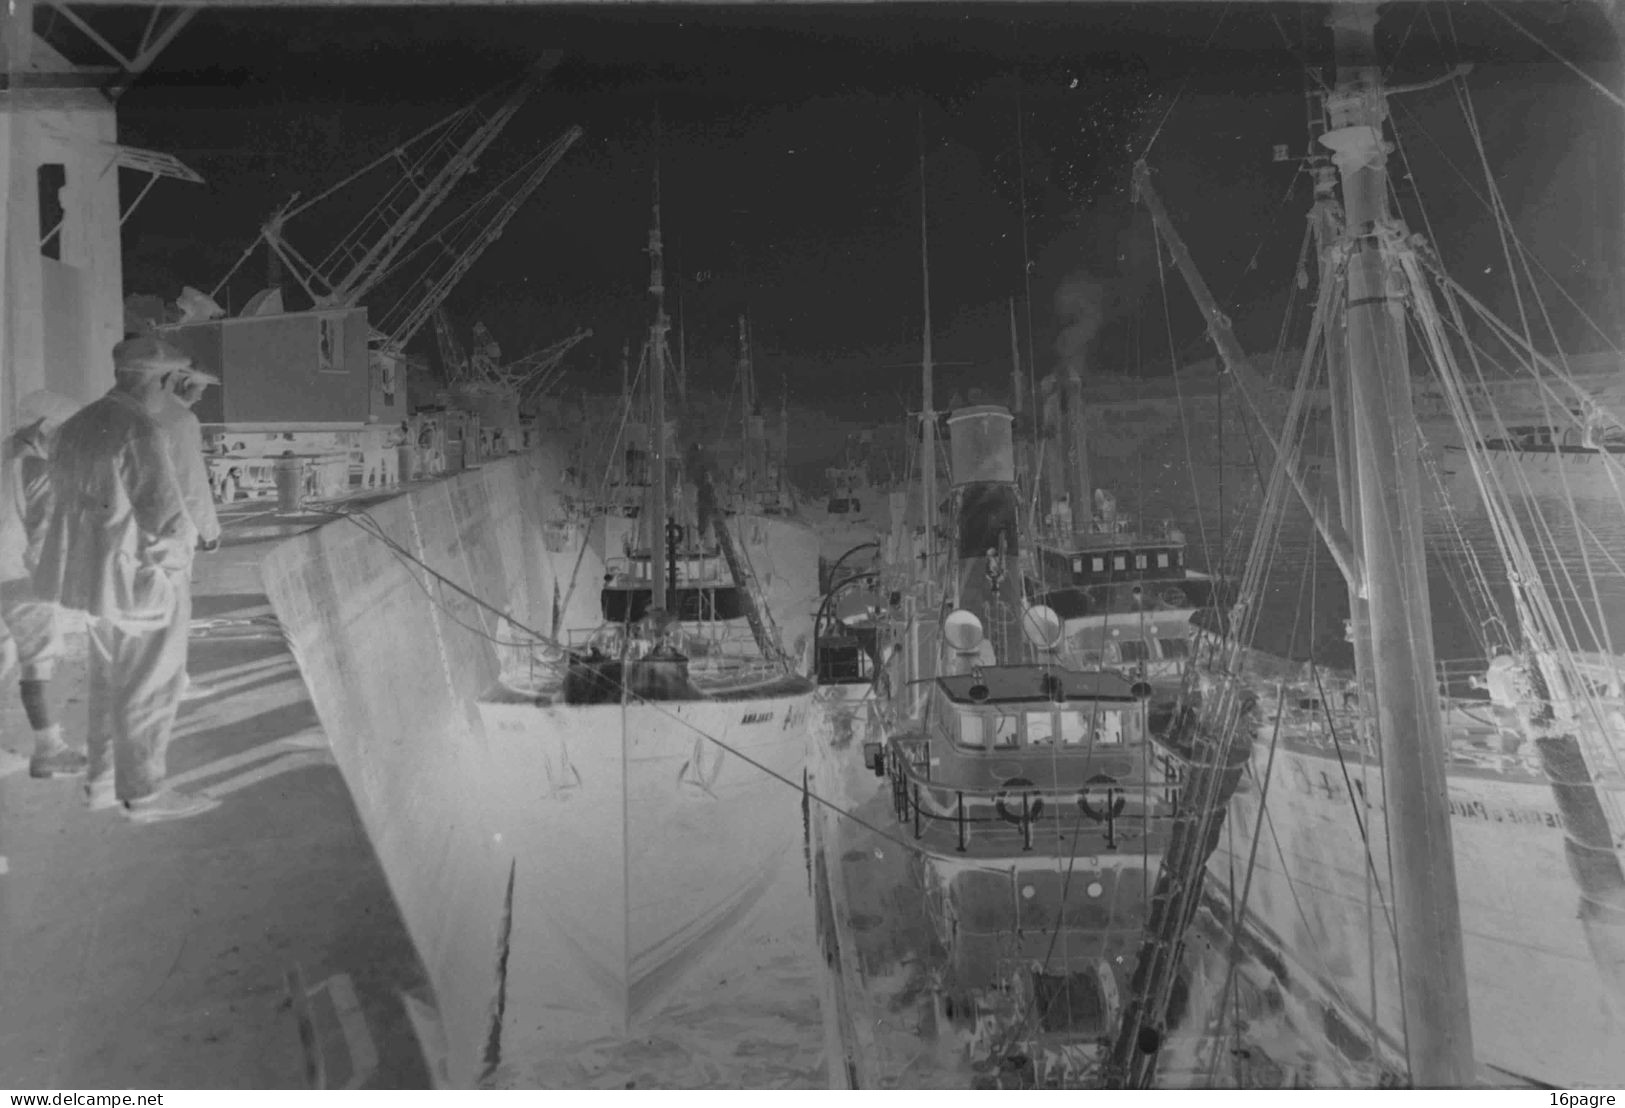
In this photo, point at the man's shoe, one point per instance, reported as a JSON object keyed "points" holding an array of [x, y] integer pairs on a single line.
{"points": [[167, 805], [62, 762], [99, 795]]}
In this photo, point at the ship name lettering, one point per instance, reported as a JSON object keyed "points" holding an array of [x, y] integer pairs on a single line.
{"points": [[1477, 809], [756, 717]]}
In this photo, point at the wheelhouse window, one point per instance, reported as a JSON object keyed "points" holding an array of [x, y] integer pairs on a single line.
{"points": [[1074, 728], [1175, 648], [1109, 727], [1133, 650], [1040, 728], [972, 731], [1119, 562], [1162, 559], [1098, 564], [1006, 732], [1140, 561]]}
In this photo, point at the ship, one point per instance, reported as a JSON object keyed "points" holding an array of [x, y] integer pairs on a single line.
{"points": [[583, 780], [1032, 803], [646, 758]]}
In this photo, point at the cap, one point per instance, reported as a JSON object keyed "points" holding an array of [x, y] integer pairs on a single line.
{"points": [[148, 353], [43, 405], [194, 375]]}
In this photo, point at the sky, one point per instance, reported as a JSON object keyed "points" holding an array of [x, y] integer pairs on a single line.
{"points": [[789, 142]]}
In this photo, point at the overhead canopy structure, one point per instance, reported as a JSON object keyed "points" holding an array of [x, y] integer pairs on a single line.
{"points": [[91, 35]]}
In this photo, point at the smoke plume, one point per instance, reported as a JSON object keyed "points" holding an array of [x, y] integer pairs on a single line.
{"points": [[1080, 309]]}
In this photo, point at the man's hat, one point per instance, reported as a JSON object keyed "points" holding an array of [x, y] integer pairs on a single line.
{"points": [[192, 375], [150, 354]]}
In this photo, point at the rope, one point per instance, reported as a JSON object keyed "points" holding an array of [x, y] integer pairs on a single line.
{"points": [[1183, 83], [1179, 397], [406, 556], [1612, 96]]}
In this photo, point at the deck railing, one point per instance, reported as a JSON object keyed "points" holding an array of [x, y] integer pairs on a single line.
{"points": [[989, 820]]}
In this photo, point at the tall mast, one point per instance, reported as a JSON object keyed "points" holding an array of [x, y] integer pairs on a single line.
{"points": [[747, 403], [1387, 444], [1016, 405], [657, 398], [928, 466]]}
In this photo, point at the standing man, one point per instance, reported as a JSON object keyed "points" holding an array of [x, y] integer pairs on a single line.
{"points": [[183, 438], [115, 541], [34, 625]]}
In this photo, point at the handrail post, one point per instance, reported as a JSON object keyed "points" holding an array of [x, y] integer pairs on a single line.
{"points": [[917, 809], [959, 799], [1026, 822]]}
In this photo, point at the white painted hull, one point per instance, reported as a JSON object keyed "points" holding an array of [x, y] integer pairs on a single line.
{"points": [[1539, 1009], [1580, 477], [639, 848]]}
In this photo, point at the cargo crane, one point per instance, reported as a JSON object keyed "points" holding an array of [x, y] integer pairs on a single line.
{"points": [[392, 247], [500, 393]]}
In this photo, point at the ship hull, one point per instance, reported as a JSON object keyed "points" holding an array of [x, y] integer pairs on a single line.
{"points": [[642, 838], [1571, 475], [463, 814], [1539, 1008]]}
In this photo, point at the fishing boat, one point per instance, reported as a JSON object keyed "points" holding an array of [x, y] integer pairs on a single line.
{"points": [[1428, 874], [1033, 802], [1042, 800], [1126, 597], [650, 761]]}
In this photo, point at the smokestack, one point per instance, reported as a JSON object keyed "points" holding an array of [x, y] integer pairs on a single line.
{"points": [[981, 451], [1079, 304]]}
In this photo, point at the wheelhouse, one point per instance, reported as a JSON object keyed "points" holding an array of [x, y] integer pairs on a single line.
{"points": [[1005, 750]]}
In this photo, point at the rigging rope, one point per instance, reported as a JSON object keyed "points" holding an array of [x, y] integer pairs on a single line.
{"points": [[1612, 96]]}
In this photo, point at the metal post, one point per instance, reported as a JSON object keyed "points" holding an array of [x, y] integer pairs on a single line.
{"points": [[959, 800], [1026, 823], [1431, 958]]}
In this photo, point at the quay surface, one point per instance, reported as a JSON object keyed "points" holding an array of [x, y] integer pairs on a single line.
{"points": [[160, 956]]}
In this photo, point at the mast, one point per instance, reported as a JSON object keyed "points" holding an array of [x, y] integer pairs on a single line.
{"points": [[1438, 1032], [928, 466], [657, 398], [1016, 395], [747, 403]]}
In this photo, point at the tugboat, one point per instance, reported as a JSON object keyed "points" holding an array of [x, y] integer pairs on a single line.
{"points": [[1040, 803]]}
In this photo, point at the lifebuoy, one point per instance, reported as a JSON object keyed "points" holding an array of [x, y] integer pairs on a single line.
{"points": [[1174, 597], [1021, 785], [1116, 799], [676, 533]]}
